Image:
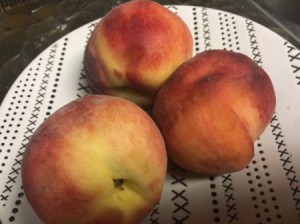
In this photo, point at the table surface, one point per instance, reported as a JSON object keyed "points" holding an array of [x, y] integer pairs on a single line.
{"points": [[28, 28]]}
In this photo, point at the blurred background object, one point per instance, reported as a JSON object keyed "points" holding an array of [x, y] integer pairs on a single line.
{"points": [[287, 8], [286, 16], [6, 4]]}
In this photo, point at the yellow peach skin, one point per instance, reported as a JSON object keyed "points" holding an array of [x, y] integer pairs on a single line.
{"points": [[212, 109], [134, 49], [99, 159]]}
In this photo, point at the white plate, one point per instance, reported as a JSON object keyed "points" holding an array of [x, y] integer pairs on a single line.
{"points": [[267, 191]]}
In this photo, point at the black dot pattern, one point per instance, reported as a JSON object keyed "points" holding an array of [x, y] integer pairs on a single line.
{"points": [[260, 187], [196, 33], [230, 39], [83, 86], [17, 203], [214, 200], [25, 118], [56, 78], [13, 123]]}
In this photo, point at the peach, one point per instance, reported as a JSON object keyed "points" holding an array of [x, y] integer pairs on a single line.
{"points": [[98, 159], [134, 49], [212, 109]]}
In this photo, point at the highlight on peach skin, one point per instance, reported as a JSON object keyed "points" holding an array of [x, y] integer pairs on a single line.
{"points": [[98, 159], [212, 109]]}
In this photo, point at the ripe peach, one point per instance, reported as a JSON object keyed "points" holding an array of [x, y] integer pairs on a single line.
{"points": [[99, 159], [134, 49], [212, 109]]}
